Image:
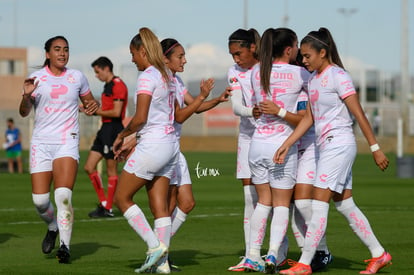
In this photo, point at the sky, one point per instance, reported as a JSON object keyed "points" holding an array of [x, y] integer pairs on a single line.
{"points": [[368, 34]]}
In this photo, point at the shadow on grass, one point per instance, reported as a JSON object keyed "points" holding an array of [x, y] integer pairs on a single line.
{"points": [[83, 249], [180, 258], [4, 237]]}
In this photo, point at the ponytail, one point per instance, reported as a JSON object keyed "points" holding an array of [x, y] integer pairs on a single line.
{"points": [[273, 44], [322, 39], [266, 59], [256, 40], [147, 39]]}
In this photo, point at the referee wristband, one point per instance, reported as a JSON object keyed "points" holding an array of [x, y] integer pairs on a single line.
{"points": [[374, 147], [282, 113]]}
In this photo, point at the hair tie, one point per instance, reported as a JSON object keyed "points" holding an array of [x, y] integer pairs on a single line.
{"points": [[320, 41], [170, 48]]}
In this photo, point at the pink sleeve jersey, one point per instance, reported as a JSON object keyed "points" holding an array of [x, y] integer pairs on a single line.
{"points": [[327, 91], [56, 105], [180, 91], [286, 83], [239, 80], [159, 127]]}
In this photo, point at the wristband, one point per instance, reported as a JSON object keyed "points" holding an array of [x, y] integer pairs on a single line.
{"points": [[374, 147], [282, 113]]}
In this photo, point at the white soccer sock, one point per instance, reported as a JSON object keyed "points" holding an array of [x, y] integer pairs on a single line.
{"points": [[63, 200], [250, 201], [301, 216], [258, 224], [360, 225], [45, 210], [162, 229], [177, 219], [304, 207], [316, 230], [323, 246], [139, 223], [296, 220], [280, 221]]}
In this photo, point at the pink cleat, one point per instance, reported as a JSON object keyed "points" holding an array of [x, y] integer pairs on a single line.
{"points": [[375, 264], [297, 269]]}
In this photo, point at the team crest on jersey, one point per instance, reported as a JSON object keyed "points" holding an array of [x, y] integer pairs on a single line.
{"points": [[233, 80], [324, 81], [71, 79]]}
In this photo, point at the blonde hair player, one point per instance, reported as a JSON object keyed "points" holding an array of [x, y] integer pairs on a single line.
{"points": [[152, 162]]}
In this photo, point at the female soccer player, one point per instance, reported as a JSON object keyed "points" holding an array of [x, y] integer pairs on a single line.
{"points": [[305, 178], [54, 91], [156, 155], [180, 194], [332, 101], [277, 85], [244, 48]]}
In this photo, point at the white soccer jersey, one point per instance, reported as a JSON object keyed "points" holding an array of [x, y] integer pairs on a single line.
{"points": [[180, 91], [239, 80], [159, 126], [286, 83], [56, 105], [327, 91], [309, 137]]}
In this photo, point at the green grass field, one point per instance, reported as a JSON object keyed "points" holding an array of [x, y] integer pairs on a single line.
{"points": [[212, 238]]}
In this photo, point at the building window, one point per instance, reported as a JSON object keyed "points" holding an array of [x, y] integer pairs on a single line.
{"points": [[11, 67]]}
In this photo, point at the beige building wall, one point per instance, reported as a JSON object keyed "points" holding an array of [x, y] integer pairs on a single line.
{"points": [[13, 70]]}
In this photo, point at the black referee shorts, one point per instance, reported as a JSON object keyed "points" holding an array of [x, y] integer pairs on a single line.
{"points": [[106, 137]]}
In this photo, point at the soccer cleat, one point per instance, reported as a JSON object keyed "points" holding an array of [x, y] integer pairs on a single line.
{"points": [[270, 264], [375, 264], [297, 269], [238, 267], [256, 266], [162, 266], [49, 241], [320, 260], [291, 262], [153, 255], [63, 254], [101, 212]]}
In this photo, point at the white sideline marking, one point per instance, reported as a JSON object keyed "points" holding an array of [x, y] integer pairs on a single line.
{"points": [[200, 216]]}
